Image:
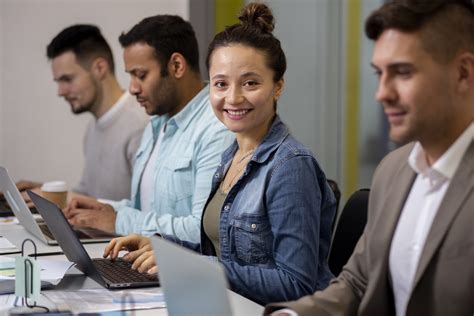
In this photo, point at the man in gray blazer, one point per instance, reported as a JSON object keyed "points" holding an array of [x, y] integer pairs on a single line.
{"points": [[416, 256]]}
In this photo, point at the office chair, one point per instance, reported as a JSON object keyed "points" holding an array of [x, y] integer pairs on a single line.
{"points": [[349, 228]]}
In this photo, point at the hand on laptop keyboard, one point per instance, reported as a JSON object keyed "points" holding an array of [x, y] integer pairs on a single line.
{"points": [[139, 250]]}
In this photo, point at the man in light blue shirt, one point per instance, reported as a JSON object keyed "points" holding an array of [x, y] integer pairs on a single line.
{"points": [[180, 148]]}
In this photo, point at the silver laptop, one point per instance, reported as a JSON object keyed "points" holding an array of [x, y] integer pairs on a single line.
{"points": [[37, 227], [192, 284]]}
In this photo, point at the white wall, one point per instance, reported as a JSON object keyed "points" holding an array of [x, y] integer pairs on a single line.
{"points": [[373, 134], [40, 138], [1, 85], [311, 105]]}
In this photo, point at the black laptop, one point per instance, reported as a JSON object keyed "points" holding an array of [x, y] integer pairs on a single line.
{"points": [[110, 274]]}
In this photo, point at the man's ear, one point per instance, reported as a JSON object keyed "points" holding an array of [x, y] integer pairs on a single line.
{"points": [[177, 65], [465, 71], [99, 68]]}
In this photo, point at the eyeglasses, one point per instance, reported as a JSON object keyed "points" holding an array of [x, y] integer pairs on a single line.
{"points": [[429, 6]]}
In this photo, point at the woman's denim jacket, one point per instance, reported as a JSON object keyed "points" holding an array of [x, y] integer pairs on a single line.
{"points": [[275, 225]]}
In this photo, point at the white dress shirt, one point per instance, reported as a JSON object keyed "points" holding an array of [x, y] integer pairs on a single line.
{"points": [[418, 213]]}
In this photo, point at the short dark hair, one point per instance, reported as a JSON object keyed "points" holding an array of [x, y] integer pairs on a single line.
{"points": [[167, 34], [447, 26], [85, 41], [254, 30]]}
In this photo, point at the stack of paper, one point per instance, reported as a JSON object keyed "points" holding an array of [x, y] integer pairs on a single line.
{"points": [[52, 271], [6, 247]]}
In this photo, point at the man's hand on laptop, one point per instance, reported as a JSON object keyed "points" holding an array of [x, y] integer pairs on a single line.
{"points": [[26, 197], [139, 250], [87, 212], [24, 185]]}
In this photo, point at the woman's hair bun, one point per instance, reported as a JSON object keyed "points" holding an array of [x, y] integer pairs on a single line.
{"points": [[259, 16]]}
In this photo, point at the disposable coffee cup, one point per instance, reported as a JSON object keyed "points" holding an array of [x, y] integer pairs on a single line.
{"points": [[56, 192]]}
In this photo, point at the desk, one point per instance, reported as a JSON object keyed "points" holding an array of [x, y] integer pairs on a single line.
{"points": [[17, 233], [74, 279]]}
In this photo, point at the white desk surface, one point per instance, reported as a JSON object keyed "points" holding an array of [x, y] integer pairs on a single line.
{"points": [[74, 279]]}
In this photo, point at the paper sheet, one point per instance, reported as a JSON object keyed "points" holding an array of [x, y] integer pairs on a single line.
{"points": [[52, 271], [103, 300], [10, 220], [6, 246]]}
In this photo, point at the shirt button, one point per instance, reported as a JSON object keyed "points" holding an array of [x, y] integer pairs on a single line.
{"points": [[226, 208], [216, 175], [254, 226]]}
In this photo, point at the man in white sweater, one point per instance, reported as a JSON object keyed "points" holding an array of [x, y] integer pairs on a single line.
{"points": [[83, 68]]}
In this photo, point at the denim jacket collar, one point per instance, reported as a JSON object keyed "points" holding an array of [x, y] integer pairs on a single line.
{"points": [[275, 136]]}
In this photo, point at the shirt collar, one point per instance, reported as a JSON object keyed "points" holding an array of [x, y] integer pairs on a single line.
{"points": [[448, 163], [183, 117], [274, 137]]}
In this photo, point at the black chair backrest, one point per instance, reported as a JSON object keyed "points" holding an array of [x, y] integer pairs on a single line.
{"points": [[349, 228]]}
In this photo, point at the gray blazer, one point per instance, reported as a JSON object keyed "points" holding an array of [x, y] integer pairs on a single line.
{"points": [[444, 280]]}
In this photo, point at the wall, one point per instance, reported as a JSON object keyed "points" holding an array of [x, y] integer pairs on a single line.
{"points": [[310, 33], [1, 85], [373, 126], [314, 36], [40, 138]]}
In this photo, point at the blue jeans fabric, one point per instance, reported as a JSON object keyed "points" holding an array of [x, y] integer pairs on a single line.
{"points": [[275, 225]]}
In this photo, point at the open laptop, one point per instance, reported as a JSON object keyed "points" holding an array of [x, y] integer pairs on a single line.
{"points": [[192, 284], [110, 274], [36, 227]]}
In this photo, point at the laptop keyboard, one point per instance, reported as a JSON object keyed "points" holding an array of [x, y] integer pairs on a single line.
{"points": [[120, 271]]}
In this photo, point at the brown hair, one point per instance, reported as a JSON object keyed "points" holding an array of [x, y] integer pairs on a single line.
{"points": [[446, 26], [85, 41], [254, 30]]}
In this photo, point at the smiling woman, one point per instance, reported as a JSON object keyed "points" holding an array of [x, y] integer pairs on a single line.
{"points": [[269, 215]]}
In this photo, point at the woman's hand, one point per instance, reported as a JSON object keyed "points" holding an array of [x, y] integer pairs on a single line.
{"points": [[134, 244], [139, 252], [145, 262]]}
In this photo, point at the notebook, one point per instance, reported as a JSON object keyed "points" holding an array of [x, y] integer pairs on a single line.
{"points": [[36, 227], [192, 284], [110, 274]]}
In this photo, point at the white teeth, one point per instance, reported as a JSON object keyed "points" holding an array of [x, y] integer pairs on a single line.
{"points": [[241, 112]]}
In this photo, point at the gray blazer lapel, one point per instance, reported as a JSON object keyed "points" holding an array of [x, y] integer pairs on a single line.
{"points": [[457, 193]]}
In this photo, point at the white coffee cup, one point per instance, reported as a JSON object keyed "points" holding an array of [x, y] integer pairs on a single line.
{"points": [[56, 192]]}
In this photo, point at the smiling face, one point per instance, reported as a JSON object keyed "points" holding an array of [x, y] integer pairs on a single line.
{"points": [[156, 93], [243, 91], [416, 91], [75, 84]]}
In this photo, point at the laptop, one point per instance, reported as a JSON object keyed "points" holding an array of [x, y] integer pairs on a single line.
{"points": [[36, 226], [191, 278], [110, 274], [5, 209]]}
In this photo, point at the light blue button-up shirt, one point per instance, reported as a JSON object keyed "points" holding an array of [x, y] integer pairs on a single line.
{"points": [[189, 154]]}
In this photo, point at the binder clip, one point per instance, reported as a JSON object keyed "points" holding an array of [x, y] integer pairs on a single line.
{"points": [[27, 283]]}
